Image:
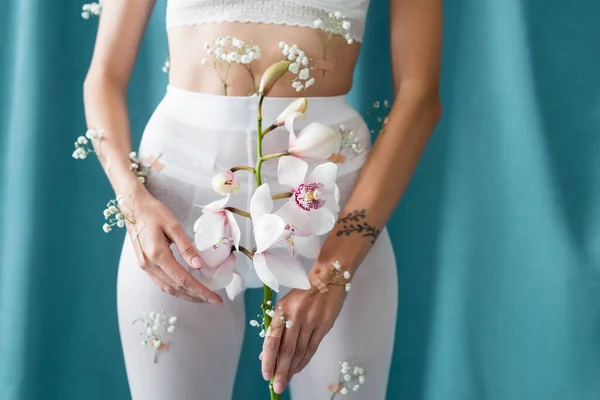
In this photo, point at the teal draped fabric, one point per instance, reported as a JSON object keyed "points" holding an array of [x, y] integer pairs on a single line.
{"points": [[497, 237]]}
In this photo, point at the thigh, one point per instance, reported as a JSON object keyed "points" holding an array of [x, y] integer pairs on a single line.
{"points": [[201, 359], [363, 333]]}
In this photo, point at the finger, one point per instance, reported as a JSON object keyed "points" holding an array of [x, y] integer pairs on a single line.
{"points": [[164, 258], [287, 349], [165, 287], [311, 349], [301, 346], [187, 250], [271, 348], [152, 269]]}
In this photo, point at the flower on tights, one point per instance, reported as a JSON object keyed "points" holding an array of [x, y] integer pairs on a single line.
{"points": [[314, 204], [275, 260]]}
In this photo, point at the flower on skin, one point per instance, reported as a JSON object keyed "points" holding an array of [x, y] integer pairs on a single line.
{"points": [[314, 205], [315, 142], [273, 233]]}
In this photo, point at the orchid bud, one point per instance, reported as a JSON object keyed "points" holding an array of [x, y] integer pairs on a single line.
{"points": [[296, 106], [315, 142], [225, 183], [272, 75]]}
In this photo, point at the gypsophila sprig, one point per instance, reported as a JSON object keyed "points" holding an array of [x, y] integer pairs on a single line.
{"points": [[113, 215], [229, 51], [269, 311], [136, 166], [156, 326], [91, 9], [335, 23], [301, 66], [336, 276], [349, 140], [351, 377], [380, 111], [83, 145], [166, 66]]}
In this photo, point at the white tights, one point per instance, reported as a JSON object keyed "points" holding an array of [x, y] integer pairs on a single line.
{"points": [[197, 136]]}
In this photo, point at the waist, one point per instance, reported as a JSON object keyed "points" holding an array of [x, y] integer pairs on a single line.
{"points": [[231, 57]]}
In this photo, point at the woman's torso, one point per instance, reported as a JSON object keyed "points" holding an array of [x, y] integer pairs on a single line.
{"points": [[193, 69]]}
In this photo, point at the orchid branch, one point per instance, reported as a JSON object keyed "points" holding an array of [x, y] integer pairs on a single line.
{"points": [[238, 212]]}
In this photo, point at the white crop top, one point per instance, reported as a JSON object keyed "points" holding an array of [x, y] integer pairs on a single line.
{"points": [[282, 12]]}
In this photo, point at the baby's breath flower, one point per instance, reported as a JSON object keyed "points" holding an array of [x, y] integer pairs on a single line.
{"points": [[300, 66], [166, 66], [344, 391], [253, 322], [349, 379], [158, 325], [106, 228], [346, 274], [348, 287], [288, 324], [262, 333], [336, 264], [91, 9], [318, 23]]}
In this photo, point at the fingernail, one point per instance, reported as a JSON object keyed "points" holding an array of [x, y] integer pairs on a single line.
{"points": [[266, 376], [214, 301], [278, 387], [196, 262], [298, 370]]}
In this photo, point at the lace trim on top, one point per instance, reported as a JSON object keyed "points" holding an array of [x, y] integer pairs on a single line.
{"points": [[276, 12]]}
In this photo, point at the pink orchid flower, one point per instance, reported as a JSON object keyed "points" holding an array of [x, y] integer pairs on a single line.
{"points": [[222, 276], [275, 260], [315, 142], [314, 204], [210, 228]]}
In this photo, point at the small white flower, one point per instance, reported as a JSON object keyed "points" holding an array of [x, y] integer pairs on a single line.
{"points": [[85, 15], [253, 322], [171, 328], [309, 82], [361, 379], [106, 228], [282, 45], [157, 344], [347, 275], [344, 391], [347, 377], [347, 287], [155, 327], [350, 41], [360, 370], [345, 370], [270, 313], [82, 140], [286, 50], [268, 302], [149, 331], [143, 343], [134, 166], [120, 199], [294, 68], [238, 43], [346, 25], [318, 23], [336, 265], [296, 85], [120, 224], [151, 315], [107, 213], [288, 324], [132, 155], [142, 179], [337, 14], [119, 217], [344, 365], [304, 74], [224, 42], [262, 333], [245, 59], [113, 209], [304, 61], [173, 320], [204, 60], [355, 387]]}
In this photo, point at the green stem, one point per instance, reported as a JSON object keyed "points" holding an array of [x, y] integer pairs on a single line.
{"points": [[238, 212], [267, 292], [269, 129], [285, 195], [242, 167], [275, 155], [246, 252], [325, 49]]}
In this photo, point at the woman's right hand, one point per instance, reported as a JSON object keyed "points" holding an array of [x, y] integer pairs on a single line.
{"points": [[154, 230]]}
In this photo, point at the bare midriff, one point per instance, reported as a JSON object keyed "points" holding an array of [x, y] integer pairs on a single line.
{"points": [[187, 51]]}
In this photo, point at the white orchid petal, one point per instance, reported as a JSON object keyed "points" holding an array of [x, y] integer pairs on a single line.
{"points": [[267, 230], [316, 142], [321, 221], [235, 229], [307, 246], [214, 257], [289, 121], [325, 173], [287, 270], [235, 287], [263, 272], [291, 171], [217, 205], [223, 274], [210, 227], [261, 202], [294, 215]]}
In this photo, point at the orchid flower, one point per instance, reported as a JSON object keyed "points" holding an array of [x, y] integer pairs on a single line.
{"points": [[314, 204], [226, 183], [223, 275], [213, 225], [273, 233], [315, 142]]}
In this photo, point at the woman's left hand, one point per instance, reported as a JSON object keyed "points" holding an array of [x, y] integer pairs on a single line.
{"points": [[286, 351]]}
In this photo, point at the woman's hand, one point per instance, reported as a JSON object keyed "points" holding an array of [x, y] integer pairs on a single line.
{"points": [[286, 351], [152, 232]]}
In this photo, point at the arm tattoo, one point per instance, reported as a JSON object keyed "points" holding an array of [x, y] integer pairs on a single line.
{"points": [[355, 222]]}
